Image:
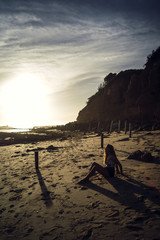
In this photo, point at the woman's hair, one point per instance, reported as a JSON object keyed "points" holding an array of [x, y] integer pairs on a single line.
{"points": [[109, 150]]}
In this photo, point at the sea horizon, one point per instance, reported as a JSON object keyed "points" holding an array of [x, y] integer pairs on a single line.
{"points": [[11, 129]]}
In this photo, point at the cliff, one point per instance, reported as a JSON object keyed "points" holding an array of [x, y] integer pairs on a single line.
{"points": [[132, 95]]}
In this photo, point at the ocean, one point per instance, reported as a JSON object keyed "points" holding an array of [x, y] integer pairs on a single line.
{"points": [[15, 130]]}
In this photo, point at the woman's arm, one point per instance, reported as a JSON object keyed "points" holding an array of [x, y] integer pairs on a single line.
{"points": [[120, 166], [105, 159]]}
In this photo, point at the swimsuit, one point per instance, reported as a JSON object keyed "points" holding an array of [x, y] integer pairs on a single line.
{"points": [[110, 171], [110, 167]]}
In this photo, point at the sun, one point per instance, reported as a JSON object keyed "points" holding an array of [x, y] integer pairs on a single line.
{"points": [[24, 101]]}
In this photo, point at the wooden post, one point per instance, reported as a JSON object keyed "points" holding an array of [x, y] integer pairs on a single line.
{"points": [[89, 127], [130, 133], [111, 126], [119, 126], [125, 127], [101, 140], [36, 160], [98, 127]]}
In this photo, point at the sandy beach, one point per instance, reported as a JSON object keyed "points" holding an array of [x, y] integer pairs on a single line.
{"points": [[48, 203]]}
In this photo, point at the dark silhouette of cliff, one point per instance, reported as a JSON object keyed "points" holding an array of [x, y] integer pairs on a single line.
{"points": [[132, 95]]}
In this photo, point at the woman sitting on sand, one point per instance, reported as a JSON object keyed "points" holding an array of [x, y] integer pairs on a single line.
{"points": [[110, 160]]}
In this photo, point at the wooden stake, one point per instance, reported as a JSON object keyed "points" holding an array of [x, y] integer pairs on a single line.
{"points": [[101, 140], [125, 127], [130, 132], [89, 127], [119, 126], [111, 126], [36, 160], [98, 126]]}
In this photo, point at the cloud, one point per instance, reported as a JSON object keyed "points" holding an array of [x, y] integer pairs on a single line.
{"points": [[72, 45], [73, 98]]}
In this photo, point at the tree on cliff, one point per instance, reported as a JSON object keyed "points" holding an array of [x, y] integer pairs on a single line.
{"points": [[153, 57]]}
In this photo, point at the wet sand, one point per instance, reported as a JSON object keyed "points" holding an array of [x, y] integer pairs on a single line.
{"points": [[48, 203]]}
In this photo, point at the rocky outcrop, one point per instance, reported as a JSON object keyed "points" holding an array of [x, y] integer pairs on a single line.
{"points": [[132, 95]]}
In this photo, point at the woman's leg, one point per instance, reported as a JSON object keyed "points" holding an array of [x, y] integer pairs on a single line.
{"points": [[97, 168], [92, 166]]}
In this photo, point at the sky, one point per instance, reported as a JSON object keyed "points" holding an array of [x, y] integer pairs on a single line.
{"points": [[55, 53]]}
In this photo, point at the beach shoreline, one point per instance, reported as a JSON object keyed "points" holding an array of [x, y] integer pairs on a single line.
{"points": [[11, 137]]}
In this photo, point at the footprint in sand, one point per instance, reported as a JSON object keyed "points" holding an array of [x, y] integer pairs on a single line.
{"points": [[140, 219], [11, 211], [61, 211], [32, 185], [68, 190], [134, 228], [85, 166], [116, 214], [11, 206], [15, 198], [17, 190], [14, 156], [76, 177], [83, 188], [94, 205], [54, 185], [88, 234], [23, 178], [2, 210], [10, 229], [28, 232], [24, 154], [16, 215]]}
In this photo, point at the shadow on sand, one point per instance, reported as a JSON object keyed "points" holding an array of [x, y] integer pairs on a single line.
{"points": [[130, 193], [45, 193]]}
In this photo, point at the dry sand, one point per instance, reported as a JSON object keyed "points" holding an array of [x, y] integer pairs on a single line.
{"points": [[49, 204]]}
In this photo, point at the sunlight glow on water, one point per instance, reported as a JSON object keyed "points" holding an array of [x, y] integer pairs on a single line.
{"points": [[15, 130]]}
